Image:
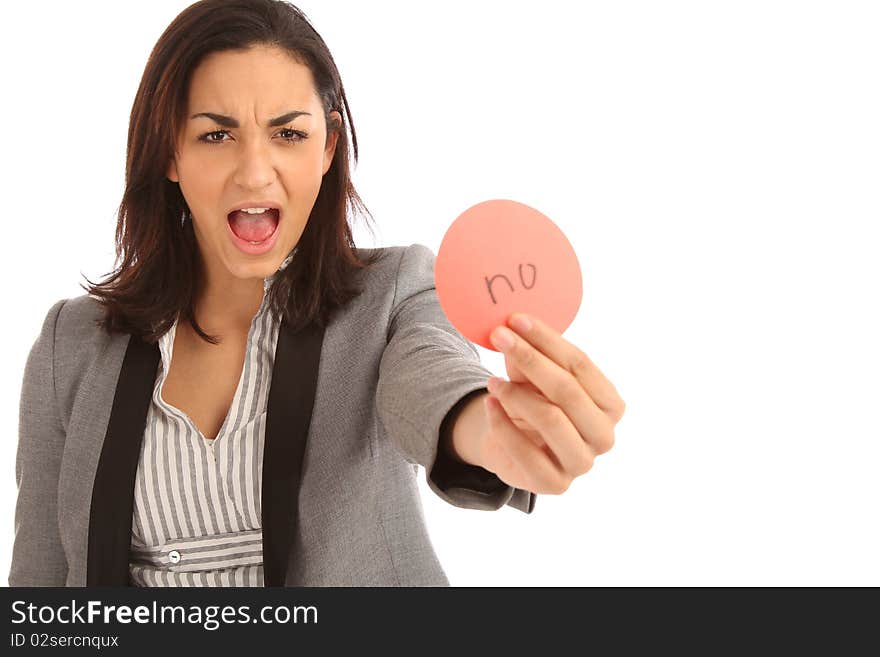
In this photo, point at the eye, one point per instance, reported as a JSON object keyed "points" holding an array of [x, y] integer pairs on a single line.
{"points": [[205, 137], [297, 135]]}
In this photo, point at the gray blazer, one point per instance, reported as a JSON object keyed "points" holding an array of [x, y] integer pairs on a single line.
{"points": [[353, 410]]}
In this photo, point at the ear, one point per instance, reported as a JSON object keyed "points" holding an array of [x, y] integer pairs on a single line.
{"points": [[330, 148], [171, 174]]}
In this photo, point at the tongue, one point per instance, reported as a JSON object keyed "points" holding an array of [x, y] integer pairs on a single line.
{"points": [[253, 227]]}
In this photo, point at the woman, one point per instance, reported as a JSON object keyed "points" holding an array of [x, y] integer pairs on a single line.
{"points": [[246, 400]]}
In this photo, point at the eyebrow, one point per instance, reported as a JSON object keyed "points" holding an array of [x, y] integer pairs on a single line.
{"points": [[229, 122]]}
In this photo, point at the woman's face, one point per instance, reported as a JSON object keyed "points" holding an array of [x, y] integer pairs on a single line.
{"points": [[222, 163]]}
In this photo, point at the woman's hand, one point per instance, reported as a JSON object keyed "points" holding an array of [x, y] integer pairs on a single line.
{"points": [[554, 416]]}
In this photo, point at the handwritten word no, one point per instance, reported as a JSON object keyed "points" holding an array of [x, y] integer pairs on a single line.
{"points": [[490, 281]]}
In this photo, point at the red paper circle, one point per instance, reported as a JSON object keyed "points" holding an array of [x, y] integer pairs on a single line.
{"points": [[500, 257]]}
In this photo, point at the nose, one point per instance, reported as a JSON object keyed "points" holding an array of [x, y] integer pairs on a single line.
{"points": [[255, 169]]}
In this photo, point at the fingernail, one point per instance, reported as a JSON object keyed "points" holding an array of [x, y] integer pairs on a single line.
{"points": [[503, 338], [521, 322]]}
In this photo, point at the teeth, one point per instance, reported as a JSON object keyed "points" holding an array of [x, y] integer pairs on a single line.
{"points": [[254, 210]]}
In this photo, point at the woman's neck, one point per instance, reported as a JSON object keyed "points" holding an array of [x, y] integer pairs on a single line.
{"points": [[227, 304]]}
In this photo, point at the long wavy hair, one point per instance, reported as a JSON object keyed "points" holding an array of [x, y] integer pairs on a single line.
{"points": [[157, 271]]}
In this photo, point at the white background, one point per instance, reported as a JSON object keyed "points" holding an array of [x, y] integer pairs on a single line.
{"points": [[715, 166]]}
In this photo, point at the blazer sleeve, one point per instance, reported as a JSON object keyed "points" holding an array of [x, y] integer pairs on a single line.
{"points": [[428, 371], [37, 555]]}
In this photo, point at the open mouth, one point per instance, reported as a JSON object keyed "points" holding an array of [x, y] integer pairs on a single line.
{"points": [[254, 228]]}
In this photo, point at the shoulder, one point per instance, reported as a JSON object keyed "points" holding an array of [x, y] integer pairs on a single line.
{"points": [[70, 317], [393, 254], [78, 317], [397, 260], [394, 273], [78, 336], [399, 272], [69, 344]]}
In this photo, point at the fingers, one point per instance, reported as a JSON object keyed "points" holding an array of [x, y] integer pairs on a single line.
{"points": [[521, 463], [572, 453], [556, 382], [541, 344]]}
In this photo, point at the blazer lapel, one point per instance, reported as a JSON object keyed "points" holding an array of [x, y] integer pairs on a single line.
{"points": [[112, 505], [288, 416]]}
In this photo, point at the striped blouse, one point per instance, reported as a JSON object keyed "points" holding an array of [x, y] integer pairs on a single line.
{"points": [[196, 518]]}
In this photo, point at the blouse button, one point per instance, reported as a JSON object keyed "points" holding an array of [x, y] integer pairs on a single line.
{"points": [[174, 556]]}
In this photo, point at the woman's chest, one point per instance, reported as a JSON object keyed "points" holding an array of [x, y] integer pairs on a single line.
{"points": [[202, 381]]}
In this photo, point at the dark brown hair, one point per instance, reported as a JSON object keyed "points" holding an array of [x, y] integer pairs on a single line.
{"points": [[158, 272]]}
